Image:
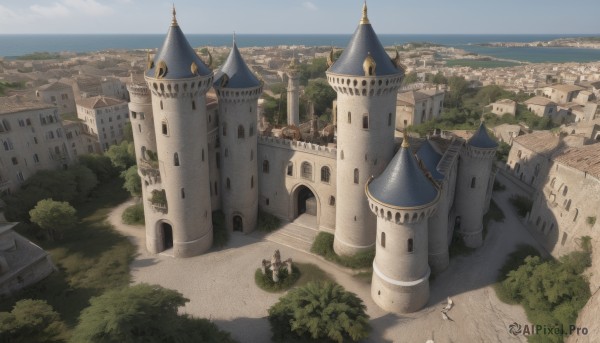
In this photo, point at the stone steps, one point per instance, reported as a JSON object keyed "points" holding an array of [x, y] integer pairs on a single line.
{"points": [[295, 236]]}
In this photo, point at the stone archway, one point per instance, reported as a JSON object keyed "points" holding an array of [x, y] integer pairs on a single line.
{"points": [[164, 233], [304, 200], [238, 223]]}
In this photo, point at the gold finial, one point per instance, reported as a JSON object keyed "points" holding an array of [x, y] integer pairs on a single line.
{"points": [[174, 20], [405, 143], [365, 18]]}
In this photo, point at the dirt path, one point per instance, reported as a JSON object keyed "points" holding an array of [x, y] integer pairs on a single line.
{"points": [[220, 286]]}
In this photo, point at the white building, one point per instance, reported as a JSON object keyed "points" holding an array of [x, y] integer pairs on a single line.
{"points": [[104, 117]]}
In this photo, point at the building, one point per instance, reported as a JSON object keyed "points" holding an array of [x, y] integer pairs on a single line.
{"points": [[32, 138], [504, 106], [507, 132], [197, 154], [561, 93], [418, 106], [541, 106], [103, 118], [60, 95]]}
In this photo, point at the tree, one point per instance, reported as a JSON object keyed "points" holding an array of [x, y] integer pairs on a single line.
{"points": [[101, 165], [133, 182], [85, 180], [321, 94], [458, 87], [54, 217], [143, 313], [439, 79], [122, 155], [409, 78], [128, 132], [319, 311], [31, 321]]}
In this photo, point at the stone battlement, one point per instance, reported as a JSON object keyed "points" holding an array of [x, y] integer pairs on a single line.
{"points": [[310, 148]]}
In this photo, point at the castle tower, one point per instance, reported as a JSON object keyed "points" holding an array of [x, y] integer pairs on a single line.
{"points": [[403, 199], [366, 81], [179, 80], [293, 94], [473, 184], [238, 91], [438, 258]]}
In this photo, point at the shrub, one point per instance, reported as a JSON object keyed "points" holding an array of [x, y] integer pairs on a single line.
{"points": [[220, 233], [267, 222], [323, 245], [591, 220], [31, 321], [319, 312], [133, 182], [54, 217], [522, 204], [134, 215], [286, 281]]}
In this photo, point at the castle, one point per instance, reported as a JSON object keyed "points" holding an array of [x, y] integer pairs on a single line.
{"points": [[196, 155]]}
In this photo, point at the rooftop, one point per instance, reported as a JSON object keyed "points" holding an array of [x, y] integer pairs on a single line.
{"points": [[15, 104], [99, 102], [54, 86], [236, 71], [539, 100], [481, 139], [585, 159], [567, 88], [541, 142]]}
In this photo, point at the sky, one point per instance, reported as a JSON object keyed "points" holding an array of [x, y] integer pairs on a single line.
{"points": [[299, 16]]}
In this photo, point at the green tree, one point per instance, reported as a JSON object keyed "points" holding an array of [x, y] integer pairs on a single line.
{"points": [[122, 155], [85, 180], [458, 87], [410, 78], [133, 182], [128, 132], [101, 165], [320, 93], [313, 70], [54, 217], [31, 321], [319, 311], [439, 79], [143, 313]]}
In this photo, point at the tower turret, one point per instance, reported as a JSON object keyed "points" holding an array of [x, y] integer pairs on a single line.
{"points": [[366, 81], [474, 183], [403, 199], [178, 81], [293, 94], [238, 91]]}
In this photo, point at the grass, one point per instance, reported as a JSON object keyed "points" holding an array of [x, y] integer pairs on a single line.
{"points": [[267, 222], [286, 280], [310, 272], [91, 258], [220, 233], [323, 246], [485, 64], [134, 215]]}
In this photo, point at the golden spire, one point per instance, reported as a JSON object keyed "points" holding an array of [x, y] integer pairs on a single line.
{"points": [[365, 18], [174, 20], [405, 143]]}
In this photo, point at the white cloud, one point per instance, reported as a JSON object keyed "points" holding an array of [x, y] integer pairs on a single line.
{"points": [[53, 11], [310, 6], [89, 7]]}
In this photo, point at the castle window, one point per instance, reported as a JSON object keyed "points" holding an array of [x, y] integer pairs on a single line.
{"points": [[325, 174], [267, 201], [182, 193], [218, 160], [409, 245], [161, 105], [519, 153], [553, 182], [306, 170], [266, 167], [139, 127], [165, 129], [252, 182], [365, 121], [473, 182], [224, 129], [332, 201], [133, 114], [193, 105], [390, 119], [228, 184], [576, 214], [290, 169], [382, 240], [565, 190], [176, 160], [356, 175], [349, 118], [568, 205], [241, 132], [216, 188]]}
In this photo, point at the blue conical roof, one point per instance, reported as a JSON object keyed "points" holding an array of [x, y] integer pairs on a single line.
{"points": [[403, 183], [481, 139], [430, 158], [364, 42], [178, 56], [237, 71]]}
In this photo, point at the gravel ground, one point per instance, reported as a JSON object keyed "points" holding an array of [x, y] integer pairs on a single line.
{"points": [[220, 286]]}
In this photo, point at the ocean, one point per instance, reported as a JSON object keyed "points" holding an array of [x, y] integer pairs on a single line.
{"points": [[17, 45]]}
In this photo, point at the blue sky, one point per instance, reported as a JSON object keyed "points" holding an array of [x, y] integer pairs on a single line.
{"points": [[299, 16]]}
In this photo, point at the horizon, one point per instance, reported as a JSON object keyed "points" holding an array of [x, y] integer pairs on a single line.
{"points": [[303, 34]]}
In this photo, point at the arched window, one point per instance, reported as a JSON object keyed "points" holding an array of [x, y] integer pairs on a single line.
{"points": [[365, 121], [165, 129], [224, 129], [325, 174], [176, 159], [241, 132], [290, 169], [409, 245], [473, 182], [228, 184], [306, 170], [144, 157], [266, 167], [553, 182], [161, 105], [382, 240], [356, 176]]}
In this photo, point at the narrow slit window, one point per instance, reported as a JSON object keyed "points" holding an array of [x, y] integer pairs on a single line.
{"points": [[176, 159], [409, 245], [356, 175]]}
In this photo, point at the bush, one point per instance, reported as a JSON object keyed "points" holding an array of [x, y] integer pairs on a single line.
{"points": [[323, 245], [319, 312], [286, 281], [522, 204], [220, 233], [134, 215], [54, 217], [101, 166], [31, 321], [132, 181], [591, 220], [267, 222]]}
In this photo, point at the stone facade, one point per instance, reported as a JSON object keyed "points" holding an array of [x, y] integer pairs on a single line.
{"points": [[104, 118], [418, 106]]}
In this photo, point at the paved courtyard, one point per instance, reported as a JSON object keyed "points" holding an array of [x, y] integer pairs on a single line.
{"points": [[220, 286]]}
